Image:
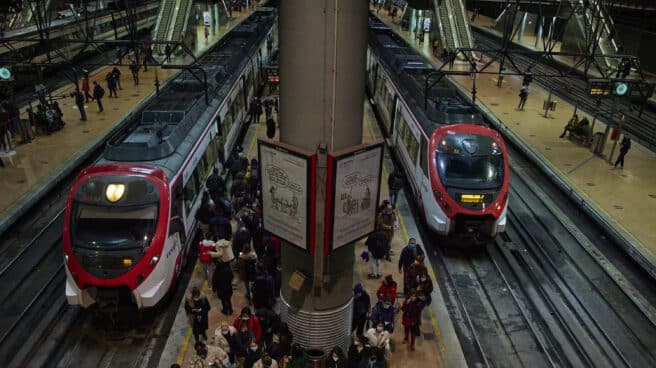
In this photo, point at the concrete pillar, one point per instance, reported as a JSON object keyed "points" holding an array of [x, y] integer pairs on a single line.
{"points": [[522, 28], [322, 76], [538, 35]]}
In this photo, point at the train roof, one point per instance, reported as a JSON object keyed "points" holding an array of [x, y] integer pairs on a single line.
{"points": [[409, 70], [167, 128]]}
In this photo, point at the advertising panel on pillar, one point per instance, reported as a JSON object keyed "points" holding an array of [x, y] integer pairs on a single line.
{"points": [[287, 190], [353, 190]]}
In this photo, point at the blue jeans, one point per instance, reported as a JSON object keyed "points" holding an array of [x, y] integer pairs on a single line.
{"points": [[376, 271]]}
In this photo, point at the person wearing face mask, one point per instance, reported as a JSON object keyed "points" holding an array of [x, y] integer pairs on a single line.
{"points": [[361, 306], [424, 286], [410, 275], [383, 313], [411, 321], [387, 288], [358, 353], [226, 338], [408, 254], [336, 358], [253, 322], [253, 354], [214, 354], [197, 308], [379, 338]]}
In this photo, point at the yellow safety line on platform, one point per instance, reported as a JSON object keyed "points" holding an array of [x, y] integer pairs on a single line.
{"points": [[253, 139], [429, 268], [185, 343]]}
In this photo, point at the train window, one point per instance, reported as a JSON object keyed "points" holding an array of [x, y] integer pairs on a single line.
{"points": [[423, 157], [227, 124], [409, 141]]}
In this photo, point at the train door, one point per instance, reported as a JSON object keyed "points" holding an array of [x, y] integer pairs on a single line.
{"points": [[423, 176], [176, 239]]}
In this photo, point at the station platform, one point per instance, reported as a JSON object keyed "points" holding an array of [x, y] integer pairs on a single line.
{"points": [[437, 347], [623, 198], [30, 169]]}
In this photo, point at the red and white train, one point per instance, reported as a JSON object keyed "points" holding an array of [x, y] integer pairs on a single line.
{"points": [[457, 167], [130, 218]]}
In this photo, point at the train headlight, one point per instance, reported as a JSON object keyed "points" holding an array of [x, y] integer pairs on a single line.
{"points": [[127, 262], [154, 260], [65, 258], [114, 192]]}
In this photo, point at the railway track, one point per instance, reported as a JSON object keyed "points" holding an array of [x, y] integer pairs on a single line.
{"points": [[542, 296], [573, 89]]}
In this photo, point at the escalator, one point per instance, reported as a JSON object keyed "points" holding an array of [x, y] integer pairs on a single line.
{"points": [[161, 31], [453, 24], [181, 19]]}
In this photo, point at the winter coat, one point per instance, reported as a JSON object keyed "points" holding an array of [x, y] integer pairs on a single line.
{"points": [[410, 276], [215, 355], [357, 359], [222, 280], [385, 315], [378, 245], [226, 342], [215, 184], [361, 305], [408, 256], [223, 253], [98, 92], [253, 325], [242, 342], [411, 312], [252, 357], [270, 128], [379, 340], [387, 290], [241, 238], [198, 310], [395, 181], [263, 289], [385, 222], [246, 265]]}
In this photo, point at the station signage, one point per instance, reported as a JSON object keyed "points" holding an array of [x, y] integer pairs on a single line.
{"points": [[272, 74], [629, 88]]}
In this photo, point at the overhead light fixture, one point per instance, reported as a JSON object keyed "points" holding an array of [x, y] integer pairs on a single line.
{"points": [[5, 74]]}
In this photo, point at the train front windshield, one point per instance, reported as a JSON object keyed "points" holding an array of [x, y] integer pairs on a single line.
{"points": [[470, 162], [113, 227]]}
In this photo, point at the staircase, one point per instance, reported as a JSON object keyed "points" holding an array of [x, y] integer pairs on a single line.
{"points": [[591, 17], [163, 22], [181, 20]]}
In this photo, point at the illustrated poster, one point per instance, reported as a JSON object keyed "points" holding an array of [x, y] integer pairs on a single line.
{"points": [[285, 190], [356, 189]]}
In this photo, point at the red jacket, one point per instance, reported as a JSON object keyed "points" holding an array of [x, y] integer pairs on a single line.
{"points": [[253, 325], [412, 312], [85, 85], [389, 290]]}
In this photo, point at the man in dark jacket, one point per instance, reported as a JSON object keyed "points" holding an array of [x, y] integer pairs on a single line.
{"points": [[198, 307], [79, 102], [361, 305], [625, 146], [407, 258], [98, 94], [378, 247], [395, 184]]}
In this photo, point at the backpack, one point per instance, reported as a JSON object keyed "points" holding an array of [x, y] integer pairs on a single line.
{"points": [[101, 92]]}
